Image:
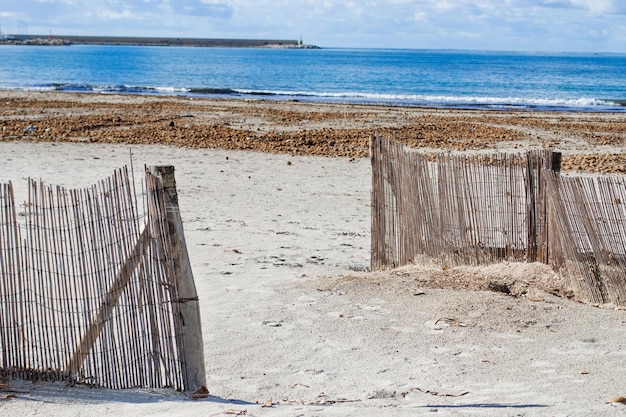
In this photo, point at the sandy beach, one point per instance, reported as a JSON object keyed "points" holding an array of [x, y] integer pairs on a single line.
{"points": [[275, 202]]}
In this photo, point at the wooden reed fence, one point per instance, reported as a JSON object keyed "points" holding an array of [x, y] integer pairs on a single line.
{"points": [[588, 245], [89, 294], [456, 209], [479, 209]]}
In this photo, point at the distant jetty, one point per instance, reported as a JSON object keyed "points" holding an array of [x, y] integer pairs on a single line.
{"points": [[144, 41]]}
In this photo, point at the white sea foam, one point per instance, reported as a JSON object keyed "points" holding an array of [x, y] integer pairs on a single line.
{"points": [[581, 103], [170, 90], [444, 100]]}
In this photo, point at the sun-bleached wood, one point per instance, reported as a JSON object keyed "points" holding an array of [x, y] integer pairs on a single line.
{"points": [[189, 307]]}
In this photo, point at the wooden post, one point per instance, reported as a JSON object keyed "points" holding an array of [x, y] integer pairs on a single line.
{"points": [[533, 173], [193, 346], [551, 161], [377, 260], [554, 164], [537, 209]]}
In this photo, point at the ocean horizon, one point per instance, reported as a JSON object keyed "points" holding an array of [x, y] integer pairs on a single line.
{"points": [[491, 80]]}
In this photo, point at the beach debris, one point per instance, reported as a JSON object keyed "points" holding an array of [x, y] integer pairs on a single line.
{"points": [[322, 399], [454, 131], [534, 294], [30, 129], [452, 321], [385, 395], [499, 287], [268, 403], [11, 392], [619, 400], [297, 384], [202, 392], [232, 412], [439, 394], [272, 323]]}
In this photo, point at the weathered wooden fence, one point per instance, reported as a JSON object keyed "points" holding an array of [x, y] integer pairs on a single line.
{"points": [[89, 294], [588, 242], [479, 209], [456, 209]]}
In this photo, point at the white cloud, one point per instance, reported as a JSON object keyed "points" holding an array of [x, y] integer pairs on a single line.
{"points": [[420, 16], [596, 6], [477, 24], [201, 8], [107, 14]]}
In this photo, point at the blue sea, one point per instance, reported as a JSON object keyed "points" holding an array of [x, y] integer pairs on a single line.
{"points": [[431, 78]]}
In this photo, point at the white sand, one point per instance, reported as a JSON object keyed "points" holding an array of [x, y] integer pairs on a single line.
{"points": [[289, 320]]}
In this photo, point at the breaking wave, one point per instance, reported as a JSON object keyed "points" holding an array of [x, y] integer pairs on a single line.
{"points": [[484, 102]]}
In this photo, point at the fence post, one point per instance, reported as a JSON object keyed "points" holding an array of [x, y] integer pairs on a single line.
{"points": [[377, 257], [193, 346], [552, 162], [536, 196]]}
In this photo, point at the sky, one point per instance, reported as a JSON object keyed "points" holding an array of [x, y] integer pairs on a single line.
{"points": [[511, 25]]}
